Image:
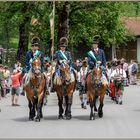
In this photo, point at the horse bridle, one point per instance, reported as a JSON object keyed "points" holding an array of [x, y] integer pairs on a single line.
{"points": [[35, 87], [64, 77], [96, 78], [34, 70]]}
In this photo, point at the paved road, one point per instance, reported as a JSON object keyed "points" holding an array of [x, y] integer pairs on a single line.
{"points": [[119, 121]]}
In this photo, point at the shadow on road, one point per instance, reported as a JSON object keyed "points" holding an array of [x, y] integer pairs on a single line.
{"points": [[84, 117], [52, 117], [137, 110], [81, 117], [22, 119], [25, 119]]}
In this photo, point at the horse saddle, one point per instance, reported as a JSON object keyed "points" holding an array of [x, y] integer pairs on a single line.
{"points": [[57, 80]]}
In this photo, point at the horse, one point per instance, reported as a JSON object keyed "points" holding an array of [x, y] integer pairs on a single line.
{"points": [[34, 88], [65, 85], [95, 88]]}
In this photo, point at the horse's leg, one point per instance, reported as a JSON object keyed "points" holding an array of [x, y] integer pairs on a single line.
{"points": [[60, 103], [95, 108], [100, 109], [92, 115], [30, 105], [38, 104], [69, 103], [34, 108], [66, 105], [41, 114], [37, 118]]}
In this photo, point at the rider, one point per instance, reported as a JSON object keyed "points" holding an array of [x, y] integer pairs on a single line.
{"points": [[30, 56], [96, 56], [33, 54], [62, 55]]}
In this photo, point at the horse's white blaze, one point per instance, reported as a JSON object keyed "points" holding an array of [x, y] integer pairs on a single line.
{"points": [[37, 67], [36, 60]]}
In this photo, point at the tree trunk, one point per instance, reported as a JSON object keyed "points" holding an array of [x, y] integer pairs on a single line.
{"points": [[23, 39], [63, 30], [24, 33], [7, 41]]}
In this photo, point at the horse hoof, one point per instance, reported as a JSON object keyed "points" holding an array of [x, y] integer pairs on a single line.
{"points": [[37, 119], [100, 115], [68, 117], [31, 119], [60, 117], [92, 118]]}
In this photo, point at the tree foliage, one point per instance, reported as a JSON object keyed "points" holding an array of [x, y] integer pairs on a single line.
{"points": [[86, 19]]}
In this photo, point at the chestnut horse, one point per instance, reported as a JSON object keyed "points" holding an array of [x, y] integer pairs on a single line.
{"points": [[95, 88], [35, 89], [64, 86]]}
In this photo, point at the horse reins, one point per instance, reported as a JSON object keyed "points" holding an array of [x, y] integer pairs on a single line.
{"points": [[35, 87], [94, 79]]}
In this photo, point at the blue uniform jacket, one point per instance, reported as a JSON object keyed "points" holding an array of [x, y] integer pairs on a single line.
{"points": [[100, 57], [59, 57], [29, 55]]}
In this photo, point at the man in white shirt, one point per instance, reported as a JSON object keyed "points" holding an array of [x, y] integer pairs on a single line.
{"points": [[118, 75]]}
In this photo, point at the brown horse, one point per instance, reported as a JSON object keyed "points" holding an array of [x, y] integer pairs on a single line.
{"points": [[64, 86], [35, 89], [95, 88]]}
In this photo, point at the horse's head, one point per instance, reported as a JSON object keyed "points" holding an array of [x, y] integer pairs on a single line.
{"points": [[65, 72], [36, 67], [97, 76]]}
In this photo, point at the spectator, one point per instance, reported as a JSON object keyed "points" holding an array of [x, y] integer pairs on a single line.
{"points": [[18, 66], [15, 77], [134, 71], [118, 75], [1, 79], [125, 68], [6, 81], [77, 67], [82, 93]]}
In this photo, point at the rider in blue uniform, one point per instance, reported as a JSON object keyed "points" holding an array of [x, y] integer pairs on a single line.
{"points": [[62, 55], [96, 56], [33, 54]]}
